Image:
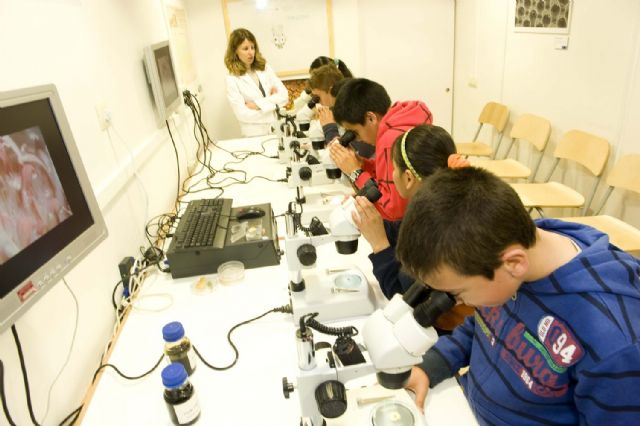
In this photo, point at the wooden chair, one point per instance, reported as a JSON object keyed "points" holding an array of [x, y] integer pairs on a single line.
{"points": [[494, 114], [583, 148], [528, 128], [624, 175]]}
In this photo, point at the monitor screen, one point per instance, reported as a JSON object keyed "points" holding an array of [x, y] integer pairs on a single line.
{"points": [[162, 80], [49, 218]]}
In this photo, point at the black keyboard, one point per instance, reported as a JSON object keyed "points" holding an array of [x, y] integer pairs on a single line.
{"points": [[203, 224], [202, 242]]}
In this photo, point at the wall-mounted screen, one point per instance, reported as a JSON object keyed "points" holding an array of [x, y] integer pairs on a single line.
{"points": [[161, 77], [49, 218]]}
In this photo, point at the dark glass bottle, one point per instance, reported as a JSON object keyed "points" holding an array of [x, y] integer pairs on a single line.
{"points": [[178, 347], [179, 395]]}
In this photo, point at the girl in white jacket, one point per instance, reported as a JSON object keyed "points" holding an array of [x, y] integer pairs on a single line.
{"points": [[253, 89]]}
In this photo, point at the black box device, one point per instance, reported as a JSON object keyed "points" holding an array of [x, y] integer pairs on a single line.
{"points": [[211, 232]]}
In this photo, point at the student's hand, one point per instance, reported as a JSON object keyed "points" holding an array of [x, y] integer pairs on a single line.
{"points": [[419, 385], [369, 222], [345, 158], [325, 115], [274, 90], [252, 105]]}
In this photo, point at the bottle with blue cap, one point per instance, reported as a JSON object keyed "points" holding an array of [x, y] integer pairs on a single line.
{"points": [[179, 395], [178, 347]]}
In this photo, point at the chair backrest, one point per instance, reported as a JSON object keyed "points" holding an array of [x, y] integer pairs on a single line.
{"points": [[533, 129], [495, 114], [625, 173], [584, 148]]}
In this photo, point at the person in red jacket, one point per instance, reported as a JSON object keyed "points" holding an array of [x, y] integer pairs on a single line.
{"points": [[364, 107]]}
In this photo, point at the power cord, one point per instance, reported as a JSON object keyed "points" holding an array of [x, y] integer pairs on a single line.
{"points": [[23, 367], [286, 309], [5, 407], [121, 374]]}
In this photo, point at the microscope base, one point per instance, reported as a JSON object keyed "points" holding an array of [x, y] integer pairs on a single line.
{"points": [[362, 402], [330, 300]]}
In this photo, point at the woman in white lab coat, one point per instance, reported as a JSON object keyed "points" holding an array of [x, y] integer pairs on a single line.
{"points": [[253, 89]]}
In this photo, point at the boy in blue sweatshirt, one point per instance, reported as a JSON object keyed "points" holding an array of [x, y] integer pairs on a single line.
{"points": [[554, 339]]}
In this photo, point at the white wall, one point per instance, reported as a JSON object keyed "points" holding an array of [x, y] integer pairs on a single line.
{"points": [[92, 51], [592, 86]]}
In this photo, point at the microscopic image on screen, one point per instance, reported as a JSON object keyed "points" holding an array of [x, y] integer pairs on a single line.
{"points": [[167, 77], [32, 201]]}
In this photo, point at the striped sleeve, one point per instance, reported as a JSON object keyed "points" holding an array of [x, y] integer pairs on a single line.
{"points": [[450, 354], [608, 393]]}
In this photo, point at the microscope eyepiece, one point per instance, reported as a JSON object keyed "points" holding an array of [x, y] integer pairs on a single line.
{"points": [[315, 100], [416, 294], [428, 312], [347, 138]]}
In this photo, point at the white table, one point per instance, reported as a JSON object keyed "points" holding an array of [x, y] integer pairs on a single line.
{"points": [[250, 393]]}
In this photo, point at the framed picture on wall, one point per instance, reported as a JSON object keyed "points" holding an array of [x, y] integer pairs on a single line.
{"points": [[542, 16], [290, 33]]}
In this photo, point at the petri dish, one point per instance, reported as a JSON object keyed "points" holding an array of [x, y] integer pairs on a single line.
{"points": [[392, 413], [231, 272], [347, 281]]}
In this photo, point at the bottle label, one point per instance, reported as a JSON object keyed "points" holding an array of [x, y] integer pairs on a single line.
{"points": [[191, 355], [188, 410]]}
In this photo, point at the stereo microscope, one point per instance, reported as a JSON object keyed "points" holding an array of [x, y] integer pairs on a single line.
{"points": [[332, 296], [395, 338]]}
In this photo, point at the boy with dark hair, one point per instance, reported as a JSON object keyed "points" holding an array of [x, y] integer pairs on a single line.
{"points": [[364, 107], [554, 339]]}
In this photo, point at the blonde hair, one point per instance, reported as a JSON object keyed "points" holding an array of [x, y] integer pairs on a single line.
{"points": [[231, 60]]}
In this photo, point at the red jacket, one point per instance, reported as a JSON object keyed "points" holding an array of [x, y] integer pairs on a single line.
{"points": [[400, 117]]}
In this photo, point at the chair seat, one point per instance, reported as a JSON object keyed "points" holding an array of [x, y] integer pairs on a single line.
{"points": [[620, 233], [550, 194], [507, 168], [478, 149]]}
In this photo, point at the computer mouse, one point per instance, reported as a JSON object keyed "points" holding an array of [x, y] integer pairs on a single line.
{"points": [[249, 213]]}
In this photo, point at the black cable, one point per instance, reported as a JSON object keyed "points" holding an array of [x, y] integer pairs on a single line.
{"points": [[286, 309], [25, 378], [75, 412], [113, 295], [175, 149], [103, 366], [310, 321], [5, 407]]}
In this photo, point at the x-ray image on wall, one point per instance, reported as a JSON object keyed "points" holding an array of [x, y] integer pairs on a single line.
{"points": [[551, 16]]}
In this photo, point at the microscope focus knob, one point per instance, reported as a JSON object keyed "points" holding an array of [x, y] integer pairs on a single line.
{"points": [[331, 397], [307, 254], [287, 387], [305, 173]]}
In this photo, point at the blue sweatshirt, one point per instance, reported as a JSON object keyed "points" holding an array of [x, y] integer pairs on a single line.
{"points": [[563, 351], [386, 267]]}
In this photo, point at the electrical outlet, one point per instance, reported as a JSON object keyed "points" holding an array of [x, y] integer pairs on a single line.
{"points": [[104, 116]]}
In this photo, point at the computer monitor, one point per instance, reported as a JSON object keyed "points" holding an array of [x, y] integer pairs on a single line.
{"points": [[161, 77], [49, 217]]}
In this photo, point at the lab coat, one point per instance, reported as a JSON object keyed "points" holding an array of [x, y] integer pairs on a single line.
{"points": [[243, 88]]}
